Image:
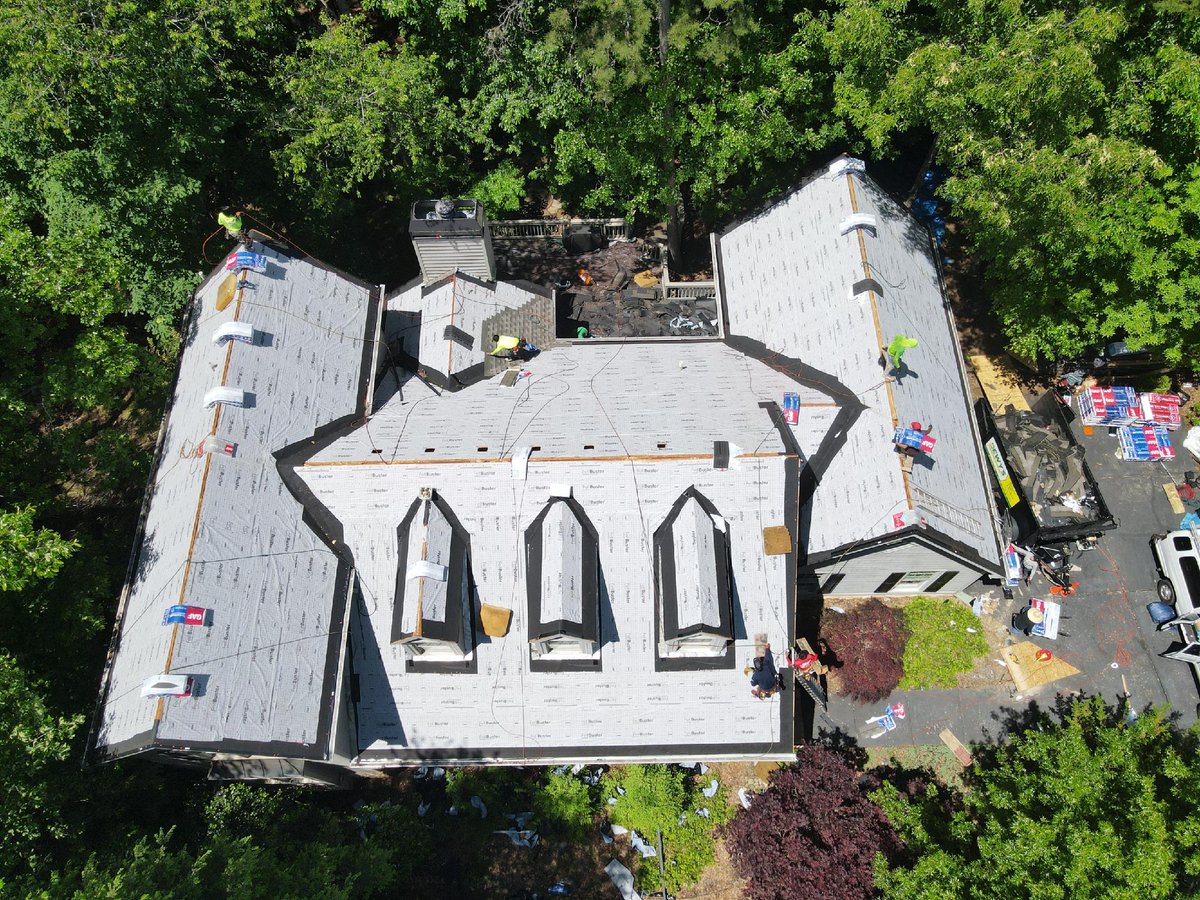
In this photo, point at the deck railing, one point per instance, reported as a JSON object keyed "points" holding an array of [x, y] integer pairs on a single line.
{"points": [[681, 290], [557, 228]]}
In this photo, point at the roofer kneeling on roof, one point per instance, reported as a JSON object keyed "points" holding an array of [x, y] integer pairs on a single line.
{"points": [[509, 347]]}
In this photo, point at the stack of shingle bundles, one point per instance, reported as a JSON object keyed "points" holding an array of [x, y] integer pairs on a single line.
{"points": [[1160, 409], [1109, 406], [1145, 442]]}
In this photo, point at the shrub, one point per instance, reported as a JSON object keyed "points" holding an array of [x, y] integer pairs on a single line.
{"points": [[812, 833], [939, 645], [868, 643], [565, 805], [667, 798]]}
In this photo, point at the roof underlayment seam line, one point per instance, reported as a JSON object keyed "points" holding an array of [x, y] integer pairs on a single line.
{"points": [[258, 648], [862, 249], [187, 564]]}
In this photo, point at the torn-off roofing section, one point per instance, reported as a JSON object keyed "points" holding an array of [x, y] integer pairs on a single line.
{"points": [[222, 530], [801, 287]]}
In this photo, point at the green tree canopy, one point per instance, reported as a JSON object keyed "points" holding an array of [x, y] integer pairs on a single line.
{"points": [[1071, 132], [1089, 806]]}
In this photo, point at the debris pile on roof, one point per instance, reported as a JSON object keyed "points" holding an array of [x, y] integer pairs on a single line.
{"points": [[546, 261], [641, 312]]}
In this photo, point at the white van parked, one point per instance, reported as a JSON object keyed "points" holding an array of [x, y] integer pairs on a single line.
{"points": [[1178, 558]]}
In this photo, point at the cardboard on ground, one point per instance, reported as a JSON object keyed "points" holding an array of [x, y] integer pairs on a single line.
{"points": [[1028, 672], [999, 383]]}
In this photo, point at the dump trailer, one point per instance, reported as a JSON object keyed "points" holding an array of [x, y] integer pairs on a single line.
{"points": [[1048, 494]]}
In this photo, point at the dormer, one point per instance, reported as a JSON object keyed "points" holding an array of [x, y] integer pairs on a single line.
{"points": [[433, 613], [562, 564], [693, 590]]}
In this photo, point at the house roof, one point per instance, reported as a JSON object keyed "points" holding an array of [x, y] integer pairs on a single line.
{"points": [[617, 489], [224, 532], [800, 292], [441, 325], [624, 431], [584, 401], [629, 707]]}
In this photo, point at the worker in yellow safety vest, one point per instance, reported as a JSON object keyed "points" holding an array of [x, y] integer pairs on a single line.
{"points": [[231, 222], [507, 346]]}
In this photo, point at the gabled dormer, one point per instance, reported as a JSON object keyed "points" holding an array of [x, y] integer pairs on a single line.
{"points": [[433, 616], [562, 564], [693, 589]]}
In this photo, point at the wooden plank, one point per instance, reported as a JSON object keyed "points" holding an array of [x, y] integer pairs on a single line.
{"points": [[1000, 385], [961, 753], [1172, 493]]}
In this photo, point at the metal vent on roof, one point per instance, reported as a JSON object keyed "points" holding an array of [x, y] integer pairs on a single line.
{"points": [[857, 220], [228, 396], [845, 165], [167, 685], [234, 331]]}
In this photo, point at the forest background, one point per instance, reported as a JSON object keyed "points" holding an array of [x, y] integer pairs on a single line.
{"points": [[1071, 131]]}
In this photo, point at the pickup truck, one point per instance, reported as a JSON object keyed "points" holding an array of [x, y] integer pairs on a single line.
{"points": [[1178, 586]]}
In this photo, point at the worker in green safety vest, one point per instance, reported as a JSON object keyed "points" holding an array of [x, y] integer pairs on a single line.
{"points": [[231, 222], [896, 348], [507, 346]]}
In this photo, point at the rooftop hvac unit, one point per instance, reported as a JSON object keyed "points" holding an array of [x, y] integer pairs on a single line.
{"points": [[452, 236], [228, 396], [234, 331]]}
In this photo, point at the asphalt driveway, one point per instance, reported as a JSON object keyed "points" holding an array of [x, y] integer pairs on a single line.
{"points": [[1105, 630]]}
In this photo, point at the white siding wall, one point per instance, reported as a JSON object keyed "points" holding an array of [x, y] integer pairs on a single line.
{"points": [[863, 575], [448, 254]]}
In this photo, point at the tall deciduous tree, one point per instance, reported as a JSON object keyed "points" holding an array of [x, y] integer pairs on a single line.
{"points": [[1071, 132], [1089, 806], [34, 743]]}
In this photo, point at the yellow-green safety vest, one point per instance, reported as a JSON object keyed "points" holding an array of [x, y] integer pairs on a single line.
{"points": [[232, 224], [506, 342]]}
